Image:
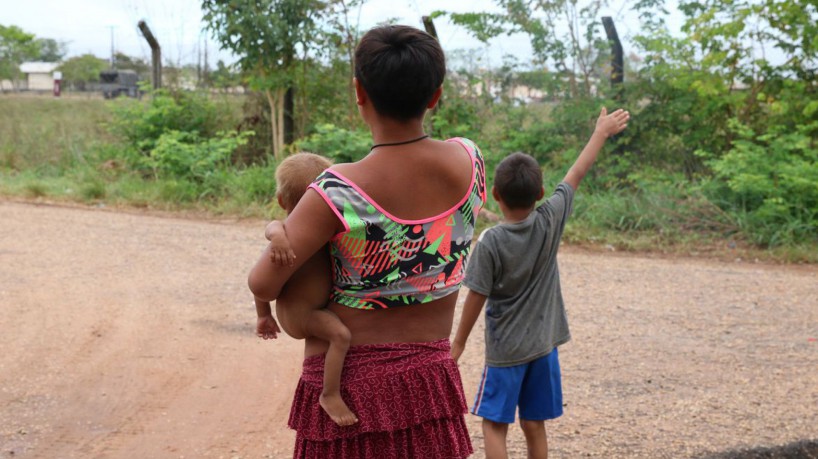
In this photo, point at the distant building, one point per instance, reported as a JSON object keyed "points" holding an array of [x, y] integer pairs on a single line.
{"points": [[39, 75]]}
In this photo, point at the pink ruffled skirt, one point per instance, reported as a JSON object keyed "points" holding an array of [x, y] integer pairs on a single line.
{"points": [[408, 398]]}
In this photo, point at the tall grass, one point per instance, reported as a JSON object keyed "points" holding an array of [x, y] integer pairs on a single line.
{"points": [[50, 133], [64, 149]]}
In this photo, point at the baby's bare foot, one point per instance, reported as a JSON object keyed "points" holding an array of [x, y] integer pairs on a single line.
{"points": [[335, 407]]}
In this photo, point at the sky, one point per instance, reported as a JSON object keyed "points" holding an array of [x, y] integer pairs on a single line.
{"points": [[90, 26]]}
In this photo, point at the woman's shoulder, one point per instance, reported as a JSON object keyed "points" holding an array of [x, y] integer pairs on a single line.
{"points": [[469, 144]]}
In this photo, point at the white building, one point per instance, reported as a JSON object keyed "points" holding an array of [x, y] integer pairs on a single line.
{"points": [[39, 75]]}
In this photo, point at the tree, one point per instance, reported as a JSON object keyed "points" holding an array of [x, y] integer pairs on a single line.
{"points": [[224, 76], [140, 66], [81, 70], [16, 47], [565, 34], [724, 72], [266, 35], [51, 50]]}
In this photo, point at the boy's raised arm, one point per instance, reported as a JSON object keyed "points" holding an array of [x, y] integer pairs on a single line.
{"points": [[606, 126], [471, 311]]}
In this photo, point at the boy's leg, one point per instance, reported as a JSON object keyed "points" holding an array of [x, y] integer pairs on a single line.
{"points": [[536, 439], [496, 403], [494, 439], [540, 400], [327, 326]]}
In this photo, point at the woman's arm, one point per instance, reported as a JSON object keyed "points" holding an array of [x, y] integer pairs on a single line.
{"points": [[309, 227]]}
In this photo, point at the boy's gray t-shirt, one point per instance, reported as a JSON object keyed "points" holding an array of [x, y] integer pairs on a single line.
{"points": [[515, 266]]}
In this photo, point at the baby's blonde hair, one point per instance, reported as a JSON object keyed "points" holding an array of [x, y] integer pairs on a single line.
{"points": [[295, 174]]}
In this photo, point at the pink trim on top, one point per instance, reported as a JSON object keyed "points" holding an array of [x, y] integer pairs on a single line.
{"points": [[330, 204], [484, 193], [413, 222]]}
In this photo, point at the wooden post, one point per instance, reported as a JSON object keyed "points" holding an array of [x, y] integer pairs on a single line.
{"points": [[156, 54], [617, 69], [430, 29], [617, 58]]}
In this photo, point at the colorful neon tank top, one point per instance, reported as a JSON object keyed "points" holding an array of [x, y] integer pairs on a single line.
{"points": [[380, 261]]}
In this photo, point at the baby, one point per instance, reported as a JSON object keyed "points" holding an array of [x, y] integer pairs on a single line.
{"points": [[301, 307]]}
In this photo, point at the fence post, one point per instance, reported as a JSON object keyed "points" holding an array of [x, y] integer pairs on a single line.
{"points": [[156, 54], [431, 30], [617, 59]]}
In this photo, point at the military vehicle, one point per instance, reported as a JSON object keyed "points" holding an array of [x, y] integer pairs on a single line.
{"points": [[115, 83]]}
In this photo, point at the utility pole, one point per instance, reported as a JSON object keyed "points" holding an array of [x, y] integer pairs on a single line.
{"points": [[205, 70], [199, 63], [113, 62]]}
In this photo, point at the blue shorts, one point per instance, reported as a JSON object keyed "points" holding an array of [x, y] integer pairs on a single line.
{"points": [[536, 387]]}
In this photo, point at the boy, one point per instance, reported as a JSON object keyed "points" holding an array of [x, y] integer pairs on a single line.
{"points": [[514, 266], [301, 305]]}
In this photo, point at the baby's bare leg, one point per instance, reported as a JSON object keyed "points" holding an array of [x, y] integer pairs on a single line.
{"points": [[325, 325]]}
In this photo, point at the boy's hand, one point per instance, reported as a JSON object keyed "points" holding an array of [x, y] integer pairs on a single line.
{"points": [[267, 328], [612, 124], [281, 254], [457, 350]]}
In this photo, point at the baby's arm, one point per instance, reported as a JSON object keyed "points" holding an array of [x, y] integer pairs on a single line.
{"points": [[606, 126], [281, 253], [266, 327], [471, 311]]}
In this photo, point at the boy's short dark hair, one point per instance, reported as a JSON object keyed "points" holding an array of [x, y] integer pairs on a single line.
{"points": [[295, 174], [518, 180], [400, 68]]}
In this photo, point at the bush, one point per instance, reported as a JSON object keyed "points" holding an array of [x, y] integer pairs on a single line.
{"points": [[185, 155], [142, 124], [339, 144], [771, 181]]}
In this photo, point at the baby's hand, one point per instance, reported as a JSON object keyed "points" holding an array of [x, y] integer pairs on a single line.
{"points": [[267, 328], [281, 253], [281, 256], [612, 124]]}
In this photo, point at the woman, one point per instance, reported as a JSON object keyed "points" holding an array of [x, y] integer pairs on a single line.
{"points": [[399, 223]]}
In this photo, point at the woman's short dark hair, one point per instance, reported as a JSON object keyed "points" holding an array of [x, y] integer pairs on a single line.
{"points": [[518, 180], [400, 68]]}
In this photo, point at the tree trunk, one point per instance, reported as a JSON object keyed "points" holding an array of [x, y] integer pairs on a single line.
{"points": [[289, 116], [274, 134], [280, 93]]}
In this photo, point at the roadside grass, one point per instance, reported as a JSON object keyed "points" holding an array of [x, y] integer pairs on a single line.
{"points": [[60, 150], [37, 131]]}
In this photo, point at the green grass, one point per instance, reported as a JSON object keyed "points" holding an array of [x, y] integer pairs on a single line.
{"points": [[37, 132]]}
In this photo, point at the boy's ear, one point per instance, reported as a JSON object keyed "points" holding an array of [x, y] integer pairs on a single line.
{"points": [[495, 194], [542, 193], [280, 201]]}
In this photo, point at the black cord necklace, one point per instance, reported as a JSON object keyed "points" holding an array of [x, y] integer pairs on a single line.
{"points": [[398, 143]]}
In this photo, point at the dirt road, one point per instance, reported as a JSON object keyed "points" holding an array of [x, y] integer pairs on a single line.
{"points": [[126, 335]]}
